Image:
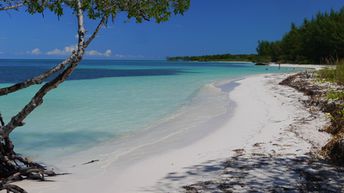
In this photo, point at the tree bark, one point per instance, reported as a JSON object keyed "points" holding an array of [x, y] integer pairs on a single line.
{"points": [[10, 7], [40, 78], [35, 80], [12, 166]]}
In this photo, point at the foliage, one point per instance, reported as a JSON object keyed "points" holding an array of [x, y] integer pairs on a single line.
{"points": [[333, 74], [314, 41], [319, 40], [159, 10], [340, 72], [335, 95], [221, 57], [327, 74]]}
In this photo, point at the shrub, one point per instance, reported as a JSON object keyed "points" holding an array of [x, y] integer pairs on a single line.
{"points": [[340, 72], [335, 95], [327, 74], [333, 74]]}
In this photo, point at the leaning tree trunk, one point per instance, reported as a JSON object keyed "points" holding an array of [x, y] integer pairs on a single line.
{"points": [[14, 167]]}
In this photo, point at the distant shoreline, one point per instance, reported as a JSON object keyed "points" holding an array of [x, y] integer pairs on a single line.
{"points": [[214, 61], [314, 66]]}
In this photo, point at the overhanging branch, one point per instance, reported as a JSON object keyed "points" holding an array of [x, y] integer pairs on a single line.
{"points": [[40, 78], [35, 80], [37, 100], [10, 7], [94, 34]]}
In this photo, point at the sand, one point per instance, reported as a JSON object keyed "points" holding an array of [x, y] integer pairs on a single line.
{"points": [[263, 112], [312, 66]]}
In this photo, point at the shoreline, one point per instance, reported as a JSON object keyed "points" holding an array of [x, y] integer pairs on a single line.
{"points": [[167, 128], [313, 66], [254, 98]]}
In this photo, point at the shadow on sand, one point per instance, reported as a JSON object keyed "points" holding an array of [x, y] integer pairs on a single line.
{"points": [[260, 173]]}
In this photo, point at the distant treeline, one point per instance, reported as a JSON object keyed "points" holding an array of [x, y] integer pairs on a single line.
{"points": [[318, 40], [218, 57]]}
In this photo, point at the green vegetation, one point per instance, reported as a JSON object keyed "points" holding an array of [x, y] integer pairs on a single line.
{"points": [[219, 57], [333, 74], [315, 41], [158, 10], [335, 95], [326, 74]]}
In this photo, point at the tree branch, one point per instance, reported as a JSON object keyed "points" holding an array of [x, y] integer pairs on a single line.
{"points": [[74, 60], [81, 29], [37, 100], [40, 78], [1, 121], [35, 80], [100, 25], [16, 6]]}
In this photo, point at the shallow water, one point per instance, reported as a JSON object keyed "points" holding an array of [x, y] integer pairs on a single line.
{"points": [[110, 99]]}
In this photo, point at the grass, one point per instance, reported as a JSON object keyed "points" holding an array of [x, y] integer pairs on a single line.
{"points": [[335, 95], [333, 74]]}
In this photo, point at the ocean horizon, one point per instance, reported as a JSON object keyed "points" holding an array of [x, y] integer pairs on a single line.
{"points": [[108, 99]]}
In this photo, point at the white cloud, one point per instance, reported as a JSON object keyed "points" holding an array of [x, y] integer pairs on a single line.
{"points": [[128, 56], [93, 53], [120, 56], [35, 51], [69, 49], [60, 52], [107, 53], [55, 52]]}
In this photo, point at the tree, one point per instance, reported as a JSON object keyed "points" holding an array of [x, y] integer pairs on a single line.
{"points": [[315, 41], [264, 48], [14, 167]]}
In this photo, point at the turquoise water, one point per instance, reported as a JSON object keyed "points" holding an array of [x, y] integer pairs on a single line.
{"points": [[107, 99]]}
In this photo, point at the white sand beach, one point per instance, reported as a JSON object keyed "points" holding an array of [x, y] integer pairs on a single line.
{"points": [[311, 66], [265, 115]]}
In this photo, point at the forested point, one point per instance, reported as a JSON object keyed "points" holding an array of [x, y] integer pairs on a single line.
{"points": [[319, 40], [217, 57]]}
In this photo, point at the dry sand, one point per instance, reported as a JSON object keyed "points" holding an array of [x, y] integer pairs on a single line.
{"points": [[312, 66]]}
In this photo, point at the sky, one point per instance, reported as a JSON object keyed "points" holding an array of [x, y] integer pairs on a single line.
{"points": [[208, 27]]}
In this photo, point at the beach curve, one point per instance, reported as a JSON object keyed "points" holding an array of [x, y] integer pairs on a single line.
{"points": [[260, 114]]}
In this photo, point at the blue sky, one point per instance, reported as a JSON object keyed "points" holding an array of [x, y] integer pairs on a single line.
{"points": [[208, 27]]}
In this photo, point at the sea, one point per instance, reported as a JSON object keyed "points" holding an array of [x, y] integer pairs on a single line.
{"points": [[106, 100]]}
